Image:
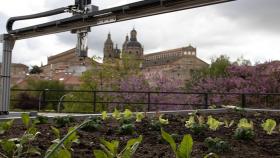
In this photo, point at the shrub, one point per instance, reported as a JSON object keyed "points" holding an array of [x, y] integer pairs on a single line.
{"points": [[26, 101]]}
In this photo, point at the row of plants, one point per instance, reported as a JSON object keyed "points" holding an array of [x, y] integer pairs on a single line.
{"points": [[62, 146]]}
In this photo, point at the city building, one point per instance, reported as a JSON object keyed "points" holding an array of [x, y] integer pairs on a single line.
{"points": [[174, 64], [18, 72]]}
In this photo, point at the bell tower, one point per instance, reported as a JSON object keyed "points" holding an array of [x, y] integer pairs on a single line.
{"points": [[108, 48]]}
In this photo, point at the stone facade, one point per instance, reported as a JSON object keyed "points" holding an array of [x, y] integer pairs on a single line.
{"points": [[66, 62], [18, 72], [173, 64]]}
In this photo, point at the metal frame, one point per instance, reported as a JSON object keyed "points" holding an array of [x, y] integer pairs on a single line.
{"points": [[8, 45], [135, 10]]}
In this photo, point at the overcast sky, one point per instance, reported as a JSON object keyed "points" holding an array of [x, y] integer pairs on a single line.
{"points": [[248, 28]]}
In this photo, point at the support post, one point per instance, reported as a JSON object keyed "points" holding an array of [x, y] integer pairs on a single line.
{"points": [[94, 101], [149, 101], [206, 100], [5, 88], [243, 100]]}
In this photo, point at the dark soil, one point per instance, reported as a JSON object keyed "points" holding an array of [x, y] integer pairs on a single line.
{"points": [[152, 146]]}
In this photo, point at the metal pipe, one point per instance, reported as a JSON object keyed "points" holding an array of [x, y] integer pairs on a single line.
{"points": [[5, 91], [11, 20]]}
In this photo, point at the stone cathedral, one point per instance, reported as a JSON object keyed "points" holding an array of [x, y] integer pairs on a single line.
{"points": [[175, 63]]}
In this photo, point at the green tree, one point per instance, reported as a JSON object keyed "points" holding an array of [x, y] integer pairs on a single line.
{"points": [[47, 85], [35, 70]]}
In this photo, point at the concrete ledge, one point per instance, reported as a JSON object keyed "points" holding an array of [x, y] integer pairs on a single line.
{"points": [[17, 115]]}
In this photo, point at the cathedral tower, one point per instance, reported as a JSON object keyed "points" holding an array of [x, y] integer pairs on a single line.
{"points": [[109, 51], [132, 46]]}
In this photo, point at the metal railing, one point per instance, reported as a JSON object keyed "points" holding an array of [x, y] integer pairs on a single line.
{"points": [[154, 100]]}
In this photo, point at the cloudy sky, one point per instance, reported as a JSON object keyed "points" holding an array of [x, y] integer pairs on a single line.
{"points": [[248, 28]]}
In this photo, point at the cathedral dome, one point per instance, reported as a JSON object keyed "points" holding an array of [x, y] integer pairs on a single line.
{"points": [[133, 44]]}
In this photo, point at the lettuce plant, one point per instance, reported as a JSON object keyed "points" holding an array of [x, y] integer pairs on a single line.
{"points": [[244, 130], [269, 125], [104, 115], [4, 126], [213, 123], [92, 125], [216, 145], [41, 119], [127, 114], [163, 121], [196, 124], [64, 121], [184, 150], [116, 114], [110, 149], [139, 116]]}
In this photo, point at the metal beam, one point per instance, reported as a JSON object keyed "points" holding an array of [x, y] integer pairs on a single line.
{"points": [[5, 89], [117, 14]]}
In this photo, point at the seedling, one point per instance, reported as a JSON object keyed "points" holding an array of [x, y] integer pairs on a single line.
{"points": [[245, 130], [104, 115], [196, 124], [4, 126], [64, 121], [163, 121], [127, 114], [269, 125], [110, 149], [184, 150], [228, 124], [139, 116], [216, 145], [41, 119], [116, 114], [15, 147], [93, 125], [213, 123]]}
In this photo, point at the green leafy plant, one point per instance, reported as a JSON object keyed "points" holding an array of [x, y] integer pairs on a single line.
{"points": [[244, 130], [163, 121], [64, 121], [62, 147], [228, 124], [116, 114], [196, 124], [184, 150], [213, 123], [139, 116], [93, 125], [211, 155], [21, 147], [4, 126], [41, 119], [269, 125], [127, 114], [110, 149], [104, 115], [216, 145], [155, 125]]}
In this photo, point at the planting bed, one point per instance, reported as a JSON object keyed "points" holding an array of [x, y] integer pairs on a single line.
{"points": [[153, 146]]}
